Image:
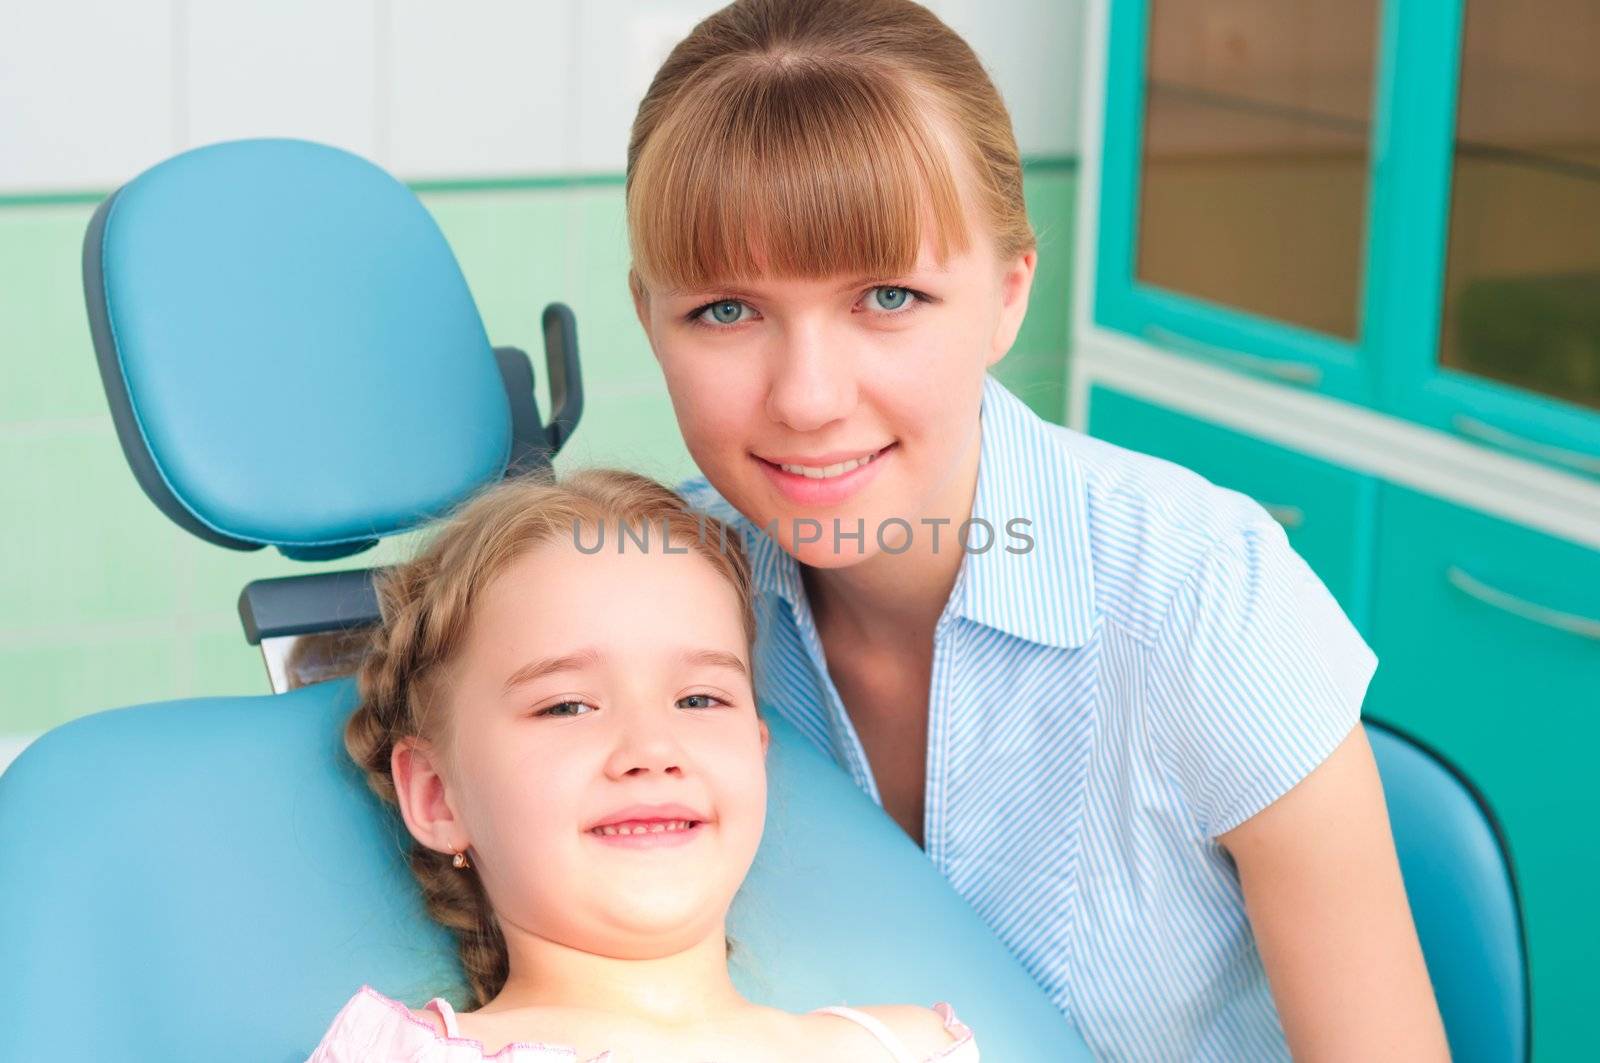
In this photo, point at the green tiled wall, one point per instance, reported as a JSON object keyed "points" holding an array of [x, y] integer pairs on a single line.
{"points": [[103, 602]]}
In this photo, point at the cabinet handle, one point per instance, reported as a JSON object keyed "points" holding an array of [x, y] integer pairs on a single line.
{"points": [[1288, 516], [1277, 368], [1510, 603], [1488, 433]]}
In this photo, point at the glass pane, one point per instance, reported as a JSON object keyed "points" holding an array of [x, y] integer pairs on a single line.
{"points": [[1254, 178], [1522, 274]]}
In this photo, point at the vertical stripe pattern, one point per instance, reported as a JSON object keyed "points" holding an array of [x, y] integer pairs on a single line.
{"points": [[1156, 669]]}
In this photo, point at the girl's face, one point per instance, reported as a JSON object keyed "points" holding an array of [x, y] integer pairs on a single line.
{"points": [[849, 399], [603, 689]]}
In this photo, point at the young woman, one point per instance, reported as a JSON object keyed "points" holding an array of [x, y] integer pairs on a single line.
{"points": [[1116, 709]]}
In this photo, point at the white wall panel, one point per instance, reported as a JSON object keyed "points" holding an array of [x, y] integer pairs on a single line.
{"points": [[294, 68], [621, 43], [1032, 50], [480, 88], [92, 91], [86, 92]]}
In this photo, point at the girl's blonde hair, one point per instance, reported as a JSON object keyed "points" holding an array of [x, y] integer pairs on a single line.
{"points": [[427, 606], [797, 138]]}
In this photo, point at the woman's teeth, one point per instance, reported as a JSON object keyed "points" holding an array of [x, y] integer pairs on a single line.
{"points": [[827, 472], [657, 827]]}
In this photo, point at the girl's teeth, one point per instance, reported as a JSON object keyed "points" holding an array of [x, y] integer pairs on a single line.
{"points": [[827, 472], [653, 828]]}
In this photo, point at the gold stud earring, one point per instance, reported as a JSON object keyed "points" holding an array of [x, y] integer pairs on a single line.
{"points": [[459, 861]]}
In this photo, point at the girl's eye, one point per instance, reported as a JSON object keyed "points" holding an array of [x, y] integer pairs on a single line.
{"points": [[702, 701], [565, 708], [892, 299], [721, 312]]}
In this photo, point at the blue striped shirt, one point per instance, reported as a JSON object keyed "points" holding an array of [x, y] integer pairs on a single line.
{"points": [[1157, 669]]}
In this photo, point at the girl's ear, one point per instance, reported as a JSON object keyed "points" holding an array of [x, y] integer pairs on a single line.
{"points": [[424, 804], [766, 738], [1016, 282]]}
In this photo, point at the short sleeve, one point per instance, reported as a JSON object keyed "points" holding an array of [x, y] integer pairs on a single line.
{"points": [[352, 1034], [372, 1026], [1257, 677]]}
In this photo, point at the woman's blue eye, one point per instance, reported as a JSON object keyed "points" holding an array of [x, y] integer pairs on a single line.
{"points": [[726, 312], [707, 701], [892, 298], [558, 707]]}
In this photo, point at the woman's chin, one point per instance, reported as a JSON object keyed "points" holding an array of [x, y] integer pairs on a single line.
{"points": [[825, 555]]}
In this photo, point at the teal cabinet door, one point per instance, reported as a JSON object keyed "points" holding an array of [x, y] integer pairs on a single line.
{"points": [[1326, 510], [1236, 173], [1488, 641], [1491, 310]]}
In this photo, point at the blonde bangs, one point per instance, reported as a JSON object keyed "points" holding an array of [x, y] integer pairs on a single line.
{"points": [[788, 167]]}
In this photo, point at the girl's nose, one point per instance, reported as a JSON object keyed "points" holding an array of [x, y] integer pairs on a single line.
{"points": [[813, 380], [644, 744]]}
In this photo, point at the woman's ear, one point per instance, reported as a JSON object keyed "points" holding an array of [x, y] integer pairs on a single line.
{"points": [[641, 307], [766, 738], [424, 803], [1016, 283], [641, 298]]}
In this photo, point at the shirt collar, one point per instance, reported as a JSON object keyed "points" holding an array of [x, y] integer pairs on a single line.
{"points": [[1044, 592]]}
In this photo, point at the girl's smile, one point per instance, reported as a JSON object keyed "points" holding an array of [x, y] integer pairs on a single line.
{"points": [[651, 834], [650, 827]]}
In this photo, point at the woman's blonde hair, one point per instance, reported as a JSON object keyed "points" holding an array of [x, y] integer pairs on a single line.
{"points": [[799, 138], [427, 607]]}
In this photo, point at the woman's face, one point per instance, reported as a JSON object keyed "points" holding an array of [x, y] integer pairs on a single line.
{"points": [[607, 688], [848, 399]]}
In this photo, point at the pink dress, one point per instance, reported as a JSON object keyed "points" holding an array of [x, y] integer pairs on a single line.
{"points": [[371, 1028]]}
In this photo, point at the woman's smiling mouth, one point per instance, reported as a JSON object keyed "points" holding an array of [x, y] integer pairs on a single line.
{"points": [[823, 479]]}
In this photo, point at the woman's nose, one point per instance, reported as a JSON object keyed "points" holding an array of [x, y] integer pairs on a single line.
{"points": [[813, 380]]}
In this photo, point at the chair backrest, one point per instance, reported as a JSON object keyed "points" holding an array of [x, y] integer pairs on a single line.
{"points": [[211, 879], [1463, 898], [289, 348]]}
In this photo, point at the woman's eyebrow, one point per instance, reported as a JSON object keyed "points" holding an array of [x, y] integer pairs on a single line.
{"points": [[737, 291], [732, 290], [920, 268], [861, 282], [569, 662], [716, 659]]}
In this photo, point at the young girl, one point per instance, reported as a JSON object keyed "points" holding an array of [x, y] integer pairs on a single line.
{"points": [[571, 736], [1117, 710]]}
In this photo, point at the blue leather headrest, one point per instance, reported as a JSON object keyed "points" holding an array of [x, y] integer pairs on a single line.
{"points": [[249, 301]]}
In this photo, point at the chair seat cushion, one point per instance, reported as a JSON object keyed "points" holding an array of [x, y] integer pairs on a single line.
{"points": [[181, 879]]}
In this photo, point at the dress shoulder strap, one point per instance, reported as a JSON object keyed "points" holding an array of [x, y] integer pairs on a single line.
{"points": [[448, 1014], [876, 1028]]}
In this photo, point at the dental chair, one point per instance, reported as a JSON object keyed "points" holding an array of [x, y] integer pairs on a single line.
{"points": [[293, 360], [1463, 899]]}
